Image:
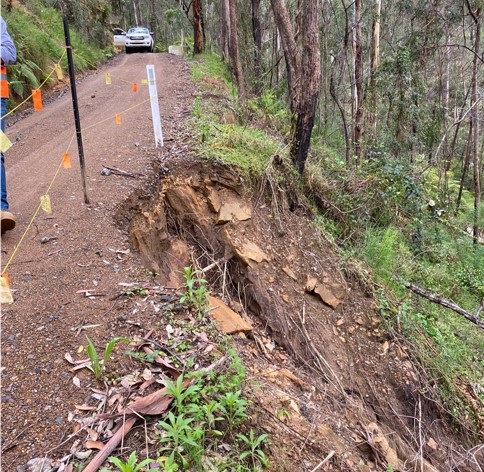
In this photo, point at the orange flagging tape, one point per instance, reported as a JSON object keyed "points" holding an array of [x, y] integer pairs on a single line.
{"points": [[37, 97], [66, 160]]}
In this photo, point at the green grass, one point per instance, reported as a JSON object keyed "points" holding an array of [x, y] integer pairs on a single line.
{"points": [[246, 148], [210, 66]]}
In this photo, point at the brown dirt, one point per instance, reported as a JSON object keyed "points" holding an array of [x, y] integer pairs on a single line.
{"points": [[326, 359]]}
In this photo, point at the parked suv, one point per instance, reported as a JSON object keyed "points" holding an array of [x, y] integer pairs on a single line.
{"points": [[138, 39]]}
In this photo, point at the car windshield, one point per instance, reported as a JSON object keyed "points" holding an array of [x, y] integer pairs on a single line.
{"points": [[139, 30]]}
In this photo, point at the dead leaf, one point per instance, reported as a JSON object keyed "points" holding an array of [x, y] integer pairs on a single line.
{"points": [[85, 407], [153, 404], [83, 454], [69, 358], [432, 444], [208, 349], [93, 444], [76, 381]]}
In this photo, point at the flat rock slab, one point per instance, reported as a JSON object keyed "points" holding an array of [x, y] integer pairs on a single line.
{"points": [[233, 209], [225, 318]]}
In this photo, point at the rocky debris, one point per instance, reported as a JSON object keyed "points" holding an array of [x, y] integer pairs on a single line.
{"points": [[226, 319], [247, 251], [213, 200], [275, 374], [289, 272], [332, 294], [178, 256], [231, 209]]}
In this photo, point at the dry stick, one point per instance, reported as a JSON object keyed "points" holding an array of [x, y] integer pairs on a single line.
{"points": [[447, 303], [304, 440], [420, 445], [321, 359], [104, 453], [326, 459]]}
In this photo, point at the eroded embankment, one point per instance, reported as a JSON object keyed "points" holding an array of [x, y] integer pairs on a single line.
{"points": [[276, 270]]}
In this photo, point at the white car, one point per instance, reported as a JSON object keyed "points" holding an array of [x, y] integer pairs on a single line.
{"points": [[138, 39]]}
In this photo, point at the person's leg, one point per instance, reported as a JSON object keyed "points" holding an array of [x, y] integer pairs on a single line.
{"points": [[7, 219], [3, 182]]}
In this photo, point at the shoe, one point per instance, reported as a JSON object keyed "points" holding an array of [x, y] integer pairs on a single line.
{"points": [[8, 221]]}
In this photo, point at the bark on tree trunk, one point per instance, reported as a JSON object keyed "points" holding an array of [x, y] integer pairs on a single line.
{"points": [[304, 77], [358, 51], [257, 36], [465, 168], [225, 34], [234, 51], [310, 84], [289, 47], [197, 27], [476, 15], [374, 63]]}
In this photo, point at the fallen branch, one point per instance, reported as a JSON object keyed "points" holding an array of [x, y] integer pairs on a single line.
{"points": [[113, 170], [447, 303], [106, 451], [327, 458]]}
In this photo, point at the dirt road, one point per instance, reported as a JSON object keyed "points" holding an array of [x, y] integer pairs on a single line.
{"points": [[76, 247]]}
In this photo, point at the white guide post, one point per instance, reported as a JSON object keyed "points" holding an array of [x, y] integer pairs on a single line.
{"points": [[155, 109]]}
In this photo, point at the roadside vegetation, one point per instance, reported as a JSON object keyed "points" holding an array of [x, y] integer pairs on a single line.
{"points": [[389, 223], [39, 38], [206, 425]]}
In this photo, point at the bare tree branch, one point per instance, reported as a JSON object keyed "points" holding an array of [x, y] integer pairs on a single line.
{"points": [[447, 303]]}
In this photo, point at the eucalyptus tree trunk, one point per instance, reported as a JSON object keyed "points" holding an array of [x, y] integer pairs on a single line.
{"points": [[476, 17], [197, 22], [310, 84], [225, 30], [303, 73], [234, 51], [289, 47], [257, 36], [374, 63], [196, 19], [358, 78]]}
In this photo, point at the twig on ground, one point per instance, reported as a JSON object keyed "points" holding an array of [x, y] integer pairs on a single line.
{"points": [[326, 459], [105, 452]]}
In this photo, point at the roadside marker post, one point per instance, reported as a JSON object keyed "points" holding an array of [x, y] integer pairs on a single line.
{"points": [[155, 108]]}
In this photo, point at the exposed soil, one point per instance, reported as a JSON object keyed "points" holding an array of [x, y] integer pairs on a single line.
{"points": [[318, 349]]}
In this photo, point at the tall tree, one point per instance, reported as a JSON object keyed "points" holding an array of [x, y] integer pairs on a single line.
{"points": [[303, 73], [225, 29], [257, 35], [358, 81], [475, 98], [234, 51], [193, 10], [374, 63]]}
